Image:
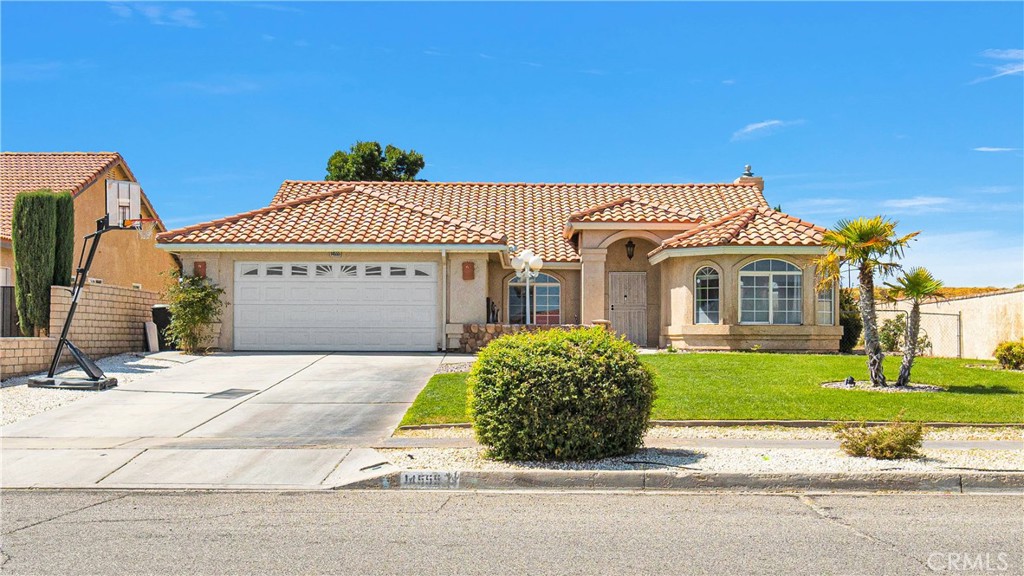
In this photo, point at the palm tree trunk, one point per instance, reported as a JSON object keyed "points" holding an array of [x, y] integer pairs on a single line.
{"points": [[910, 344], [872, 347]]}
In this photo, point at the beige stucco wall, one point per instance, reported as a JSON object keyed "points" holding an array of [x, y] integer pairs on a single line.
{"points": [[677, 313], [123, 258], [985, 321]]}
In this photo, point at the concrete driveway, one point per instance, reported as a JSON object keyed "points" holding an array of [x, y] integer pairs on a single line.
{"points": [[285, 419]]}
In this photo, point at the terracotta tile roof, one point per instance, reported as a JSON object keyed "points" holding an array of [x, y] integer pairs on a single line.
{"points": [[346, 215], [534, 215], [760, 226], [633, 209], [57, 171]]}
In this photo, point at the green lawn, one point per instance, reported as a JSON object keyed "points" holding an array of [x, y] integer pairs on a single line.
{"points": [[786, 387]]}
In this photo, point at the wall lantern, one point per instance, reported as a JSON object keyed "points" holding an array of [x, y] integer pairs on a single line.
{"points": [[630, 248]]}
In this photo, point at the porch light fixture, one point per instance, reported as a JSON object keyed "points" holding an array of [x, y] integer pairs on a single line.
{"points": [[527, 266], [630, 249]]}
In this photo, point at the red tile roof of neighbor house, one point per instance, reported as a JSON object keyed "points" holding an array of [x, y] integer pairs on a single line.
{"points": [[345, 215], [57, 171], [757, 226]]}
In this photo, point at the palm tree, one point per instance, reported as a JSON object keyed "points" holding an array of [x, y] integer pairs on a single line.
{"points": [[916, 285], [870, 245]]}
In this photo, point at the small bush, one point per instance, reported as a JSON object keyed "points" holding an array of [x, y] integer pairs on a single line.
{"points": [[1010, 354], [889, 442], [560, 395], [892, 336], [850, 320], [194, 306]]}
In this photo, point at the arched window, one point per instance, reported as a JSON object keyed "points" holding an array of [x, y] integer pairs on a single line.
{"points": [[770, 293], [705, 296], [545, 299]]}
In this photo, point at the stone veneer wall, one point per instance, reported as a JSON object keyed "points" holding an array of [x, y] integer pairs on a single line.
{"points": [[110, 320], [476, 336]]}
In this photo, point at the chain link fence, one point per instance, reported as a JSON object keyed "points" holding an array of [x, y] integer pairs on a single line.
{"points": [[941, 333]]}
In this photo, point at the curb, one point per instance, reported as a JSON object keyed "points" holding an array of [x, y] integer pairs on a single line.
{"points": [[668, 481], [782, 423]]}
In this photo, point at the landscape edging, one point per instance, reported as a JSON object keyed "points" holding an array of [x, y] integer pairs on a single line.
{"points": [[782, 423]]}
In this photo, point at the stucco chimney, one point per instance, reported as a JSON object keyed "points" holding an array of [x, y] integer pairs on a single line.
{"points": [[749, 179]]}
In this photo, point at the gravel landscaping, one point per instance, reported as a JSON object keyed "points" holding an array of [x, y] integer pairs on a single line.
{"points": [[868, 387], [746, 460], [18, 401], [757, 433], [453, 367]]}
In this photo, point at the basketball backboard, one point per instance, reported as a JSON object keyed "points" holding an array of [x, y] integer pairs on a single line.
{"points": [[124, 203]]}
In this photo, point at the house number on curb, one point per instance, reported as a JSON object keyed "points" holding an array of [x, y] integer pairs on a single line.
{"points": [[429, 479]]}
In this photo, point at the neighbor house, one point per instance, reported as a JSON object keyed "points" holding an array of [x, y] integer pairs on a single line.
{"points": [[123, 259], [418, 265]]}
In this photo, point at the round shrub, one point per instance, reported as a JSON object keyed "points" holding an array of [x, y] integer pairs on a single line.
{"points": [[560, 395], [1010, 354]]}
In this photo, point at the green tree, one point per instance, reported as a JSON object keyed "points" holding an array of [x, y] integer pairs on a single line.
{"points": [[64, 240], [915, 285], [194, 305], [33, 236], [870, 245], [366, 161]]}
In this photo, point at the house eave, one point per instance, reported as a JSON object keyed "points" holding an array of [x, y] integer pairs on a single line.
{"points": [[327, 247], [709, 250]]}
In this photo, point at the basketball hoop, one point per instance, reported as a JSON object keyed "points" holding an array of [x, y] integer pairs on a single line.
{"points": [[144, 226]]}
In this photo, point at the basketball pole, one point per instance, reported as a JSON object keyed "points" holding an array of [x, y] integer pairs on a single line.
{"points": [[97, 379]]}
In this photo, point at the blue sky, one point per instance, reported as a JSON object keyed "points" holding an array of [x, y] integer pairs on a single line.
{"points": [[912, 110]]}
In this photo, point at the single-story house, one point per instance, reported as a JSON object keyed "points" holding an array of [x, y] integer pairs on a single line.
{"points": [[123, 259], [414, 265]]}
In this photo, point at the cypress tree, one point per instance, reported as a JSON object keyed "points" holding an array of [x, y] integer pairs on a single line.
{"points": [[64, 254], [33, 235]]}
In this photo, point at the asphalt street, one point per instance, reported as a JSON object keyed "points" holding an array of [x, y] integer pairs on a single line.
{"points": [[412, 533]]}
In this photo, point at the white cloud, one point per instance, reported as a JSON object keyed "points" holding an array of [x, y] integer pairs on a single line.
{"points": [[918, 204], [972, 258], [157, 14], [758, 129], [1014, 63], [993, 149]]}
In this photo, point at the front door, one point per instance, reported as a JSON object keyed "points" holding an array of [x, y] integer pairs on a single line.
{"points": [[627, 305]]}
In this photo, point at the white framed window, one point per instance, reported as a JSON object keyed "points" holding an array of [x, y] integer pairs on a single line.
{"points": [[373, 271], [250, 269], [396, 270], [324, 270], [275, 270], [299, 270], [422, 271], [706, 296], [770, 293], [545, 299], [348, 271], [825, 307]]}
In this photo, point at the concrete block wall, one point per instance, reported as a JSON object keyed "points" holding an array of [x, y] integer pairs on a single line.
{"points": [[110, 320], [26, 355]]}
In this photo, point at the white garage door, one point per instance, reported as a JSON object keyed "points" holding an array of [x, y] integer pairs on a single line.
{"points": [[332, 306]]}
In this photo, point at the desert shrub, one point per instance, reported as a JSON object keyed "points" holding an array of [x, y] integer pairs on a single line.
{"points": [[64, 240], [892, 336], [560, 395], [892, 441], [33, 223], [1010, 354], [194, 303], [850, 320]]}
